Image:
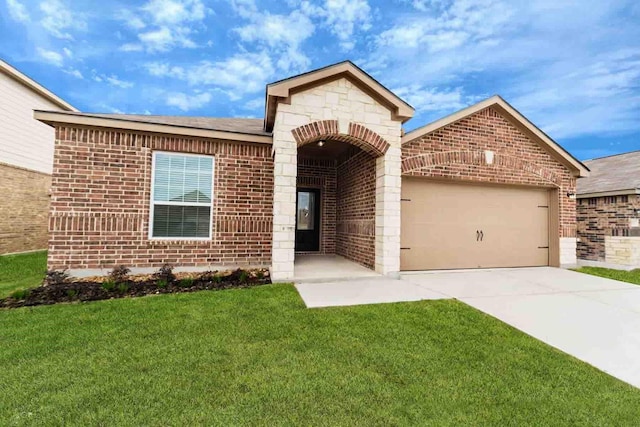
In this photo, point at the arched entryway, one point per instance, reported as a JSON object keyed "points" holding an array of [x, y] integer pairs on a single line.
{"points": [[336, 191]]}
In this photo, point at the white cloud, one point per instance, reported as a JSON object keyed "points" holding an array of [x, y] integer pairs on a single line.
{"points": [[59, 20], [173, 12], [432, 99], [17, 11], [51, 56], [282, 35], [68, 53], [345, 17], [240, 74], [188, 102], [163, 69], [74, 72], [115, 81], [131, 47], [170, 24], [131, 19]]}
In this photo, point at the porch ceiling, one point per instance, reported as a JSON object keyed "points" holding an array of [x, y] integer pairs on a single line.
{"points": [[329, 151]]}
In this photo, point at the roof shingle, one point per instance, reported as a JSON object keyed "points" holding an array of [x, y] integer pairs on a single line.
{"points": [[613, 173]]}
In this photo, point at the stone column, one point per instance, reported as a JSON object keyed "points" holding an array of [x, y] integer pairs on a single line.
{"points": [[284, 202], [388, 186]]}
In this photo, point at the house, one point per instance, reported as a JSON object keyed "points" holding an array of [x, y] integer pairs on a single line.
{"points": [[26, 161], [327, 171], [609, 212]]}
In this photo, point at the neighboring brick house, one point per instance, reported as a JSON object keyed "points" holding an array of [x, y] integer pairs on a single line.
{"points": [[609, 212], [329, 170], [26, 161]]}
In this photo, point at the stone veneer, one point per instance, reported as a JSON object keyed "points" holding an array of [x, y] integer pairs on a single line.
{"points": [[343, 101], [602, 217], [622, 250]]}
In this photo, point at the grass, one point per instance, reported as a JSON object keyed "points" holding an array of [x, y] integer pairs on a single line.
{"points": [[632, 276], [258, 357], [21, 271]]}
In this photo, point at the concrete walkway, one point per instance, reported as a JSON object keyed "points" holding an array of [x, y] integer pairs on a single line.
{"points": [[594, 319]]}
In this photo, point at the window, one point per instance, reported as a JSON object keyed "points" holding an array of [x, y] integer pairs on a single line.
{"points": [[610, 200], [593, 201], [624, 199], [181, 196]]}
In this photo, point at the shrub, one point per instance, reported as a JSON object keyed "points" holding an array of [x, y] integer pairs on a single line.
{"points": [[108, 285], [260, 274], [243, 277], [119, 274], [216, 278], [55, 277], [165, 273], [123, 287], [20, 294], [187, 282], [71, 293], [162, 283]]}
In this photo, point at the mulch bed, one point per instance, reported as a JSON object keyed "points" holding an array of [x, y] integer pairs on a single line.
{"points": [[96, 288]]}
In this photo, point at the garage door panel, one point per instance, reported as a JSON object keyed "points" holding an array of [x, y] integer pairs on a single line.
{"points": [[440, 222]]}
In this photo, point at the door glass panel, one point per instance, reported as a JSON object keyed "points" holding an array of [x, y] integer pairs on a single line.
{"points": [[306, 210]]}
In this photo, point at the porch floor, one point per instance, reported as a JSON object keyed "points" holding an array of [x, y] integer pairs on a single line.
{"points": [[315, 268]]}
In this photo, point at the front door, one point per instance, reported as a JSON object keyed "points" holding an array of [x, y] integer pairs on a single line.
{"points": [[308, 220]]}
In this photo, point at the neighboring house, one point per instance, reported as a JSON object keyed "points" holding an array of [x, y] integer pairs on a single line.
{"points": [[609, 212], [26, 161], [328, 171]]}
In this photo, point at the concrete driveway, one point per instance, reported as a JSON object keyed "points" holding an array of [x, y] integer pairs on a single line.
{"points": [[594, 319]]}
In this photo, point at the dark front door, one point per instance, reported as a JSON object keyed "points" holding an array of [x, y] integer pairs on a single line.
{"points": [[308, 220]]}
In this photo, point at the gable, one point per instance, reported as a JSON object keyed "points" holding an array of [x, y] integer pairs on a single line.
{"points": [[516, 119], [282, 90], [484, 146]]}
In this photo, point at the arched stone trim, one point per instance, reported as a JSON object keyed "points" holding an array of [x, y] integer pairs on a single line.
{"points": [[477, 158], [359, 136]]}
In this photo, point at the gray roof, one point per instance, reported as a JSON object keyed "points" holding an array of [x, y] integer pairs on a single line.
{"points": [[224, 124], [614, 173]]}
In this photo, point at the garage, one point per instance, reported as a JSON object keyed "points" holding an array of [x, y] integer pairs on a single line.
{"points": [[449, 225]]}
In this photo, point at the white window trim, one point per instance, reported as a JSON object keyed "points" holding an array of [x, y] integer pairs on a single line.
{"points": [[152, 203]]}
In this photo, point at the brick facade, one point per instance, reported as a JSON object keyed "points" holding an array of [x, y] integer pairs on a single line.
{"points": [[458, 152], [356, 209], [24, 209], [600, 217], [101, 197]]}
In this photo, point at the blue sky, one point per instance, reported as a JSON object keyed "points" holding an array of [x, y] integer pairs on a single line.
{"points": [[572, 67]]}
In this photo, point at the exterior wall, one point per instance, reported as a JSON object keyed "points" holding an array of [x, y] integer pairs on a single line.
{"points": [[486, 147], [622, 250], [356, 194], [24, 141], [24, 209], [101, 197], [343, 101], [600, 217], [321, 174]]}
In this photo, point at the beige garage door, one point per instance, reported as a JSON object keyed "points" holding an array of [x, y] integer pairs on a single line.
{"points": [[448, 226]]}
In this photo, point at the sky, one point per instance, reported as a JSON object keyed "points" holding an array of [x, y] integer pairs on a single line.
{"points": [[571, 67]]}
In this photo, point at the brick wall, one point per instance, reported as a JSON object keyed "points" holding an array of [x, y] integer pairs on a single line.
{"points": [[101, 196], [599, 217], [24, 209], [321, 174], [356, 208], [457, 152]]}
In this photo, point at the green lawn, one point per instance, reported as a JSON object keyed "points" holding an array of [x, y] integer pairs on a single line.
{"points": [[632, 276], [21, 271], [258, 357]]}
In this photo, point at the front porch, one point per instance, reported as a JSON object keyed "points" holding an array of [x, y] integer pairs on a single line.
{"points": [[317, 268]]}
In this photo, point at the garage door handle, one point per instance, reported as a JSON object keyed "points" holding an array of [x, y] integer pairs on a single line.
{"points": [[477, 235], [481, 235]]}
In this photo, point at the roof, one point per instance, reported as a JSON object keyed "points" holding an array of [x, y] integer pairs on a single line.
{"points": [[503, 107], [238, 129], [34, 86], [612, 175], [282, 89]]}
